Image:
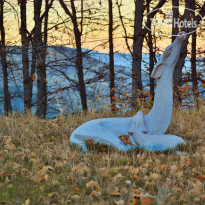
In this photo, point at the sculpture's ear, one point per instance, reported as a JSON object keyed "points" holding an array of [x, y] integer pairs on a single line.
{"points": [[157, 72]]}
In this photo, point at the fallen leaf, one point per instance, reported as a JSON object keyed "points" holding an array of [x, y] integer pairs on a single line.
{"points": [[117, 177], [33, 154], [135, 170], [198, 184], [135, 176], [50, 195], [154, 176], [7, 180], [42, 171], [46, 177], [75, 196], [59, 163], [120, 202], [65, 136], [8, 140], [146, 200], [124, 139], [52, 137], [33, 77], [114, 193], [10, 146], [97, 188], [136, 191], [93, 194], [92, 184], [135, 200], [27, 202], [76, 190], [39, 178]]}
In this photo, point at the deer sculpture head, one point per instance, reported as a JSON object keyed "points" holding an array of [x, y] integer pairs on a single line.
{"points": [[165, 67]]}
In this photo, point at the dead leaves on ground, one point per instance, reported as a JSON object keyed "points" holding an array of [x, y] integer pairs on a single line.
{"points": [[36, 159], [125, 139]]}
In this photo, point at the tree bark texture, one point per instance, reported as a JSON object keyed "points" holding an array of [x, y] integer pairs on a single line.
{"points": [[111, 55], [7, 98], [40, 61], [27, 78]]}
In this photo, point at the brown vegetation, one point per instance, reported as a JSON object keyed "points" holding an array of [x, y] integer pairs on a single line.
{"points": [[38, 165]]}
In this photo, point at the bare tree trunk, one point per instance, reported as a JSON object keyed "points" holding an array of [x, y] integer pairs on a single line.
{"points": [[40, 62], [177, 71], [193, 65], [138, 39], [79, 56], [7, 98], [175, 10], [181, 60], [111, 55], [137, 52], [39, 46], [151, 63], [33, 66], [79, 66], [27, 81], [151, 57], [45, 39]]}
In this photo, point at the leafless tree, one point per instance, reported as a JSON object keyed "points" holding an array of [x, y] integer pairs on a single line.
{"points": [[193, 62], [138, 39], [3, 52], [186, 16], [27, 77], [111, 54], [78, 30], [40, 45]]}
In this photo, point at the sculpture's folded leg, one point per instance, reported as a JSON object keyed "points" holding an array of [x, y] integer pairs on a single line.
{"points": [[105, 130], [157, 142], [137, 123]]}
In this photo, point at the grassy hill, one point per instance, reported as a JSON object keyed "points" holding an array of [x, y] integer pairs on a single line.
{"points": [[38, 165]]}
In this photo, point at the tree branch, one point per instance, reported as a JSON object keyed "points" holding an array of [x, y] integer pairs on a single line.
{"points": [[47, 10], [152, 14], [124, 28], [65, 8]]}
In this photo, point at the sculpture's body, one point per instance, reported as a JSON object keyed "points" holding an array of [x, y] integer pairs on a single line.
{"points": [[145, 131]]}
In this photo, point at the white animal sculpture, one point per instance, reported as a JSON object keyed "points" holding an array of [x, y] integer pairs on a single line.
{"points": [[147, 131]]}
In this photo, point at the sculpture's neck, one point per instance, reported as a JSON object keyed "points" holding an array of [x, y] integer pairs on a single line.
{"points": [[158, 119]]}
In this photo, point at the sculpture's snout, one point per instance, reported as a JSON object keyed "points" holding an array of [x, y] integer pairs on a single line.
{"points": [[182, 35]]}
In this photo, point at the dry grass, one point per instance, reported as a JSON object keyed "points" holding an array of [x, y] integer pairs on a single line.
{"points": [[38, 165]]}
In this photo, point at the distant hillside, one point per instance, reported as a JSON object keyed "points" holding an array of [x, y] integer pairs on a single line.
{"points": [[63, 94]]}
